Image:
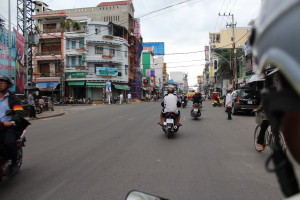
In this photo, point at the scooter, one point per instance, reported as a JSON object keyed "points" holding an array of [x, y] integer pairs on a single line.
{"points": [[217, 103], [196, 112], [183, 104], [5, 164], [169, 126]]}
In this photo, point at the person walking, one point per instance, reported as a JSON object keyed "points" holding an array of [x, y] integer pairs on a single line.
{"points": [[31, 105], [129, 97], [121, 98], [228, 104]]}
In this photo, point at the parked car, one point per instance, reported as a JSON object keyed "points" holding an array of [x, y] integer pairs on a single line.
{"points": [[245, 100]]}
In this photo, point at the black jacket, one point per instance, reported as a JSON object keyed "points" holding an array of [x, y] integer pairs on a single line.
{"points": [[15, 104], [197, 98]]}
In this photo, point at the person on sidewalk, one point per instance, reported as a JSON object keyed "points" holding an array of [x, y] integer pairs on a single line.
{"points": [[121, 98], [228, 104], [31, 104], [129, 97]]}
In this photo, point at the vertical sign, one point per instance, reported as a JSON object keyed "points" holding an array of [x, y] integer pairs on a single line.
{"points": [[108, 86]]}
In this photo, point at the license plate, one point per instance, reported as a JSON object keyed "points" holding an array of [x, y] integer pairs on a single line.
{"points": [[196, 110], [250, 102], [170, 121]]}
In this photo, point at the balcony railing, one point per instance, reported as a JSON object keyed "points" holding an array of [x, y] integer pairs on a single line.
{"points": [[45, 53], [52, 30]]}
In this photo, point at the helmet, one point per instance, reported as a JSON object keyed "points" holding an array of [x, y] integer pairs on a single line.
{"points": [[7, 79], [276, 39]]}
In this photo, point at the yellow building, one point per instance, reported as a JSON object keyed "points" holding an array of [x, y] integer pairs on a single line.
{"points": [[223, 39]]}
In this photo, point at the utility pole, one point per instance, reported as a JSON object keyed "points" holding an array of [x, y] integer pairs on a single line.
{"points": [[25, 27], [9, 41], [234, 70], [62, 81]]}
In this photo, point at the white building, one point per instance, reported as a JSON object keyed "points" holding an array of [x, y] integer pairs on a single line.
{"points": [[180, 78]]}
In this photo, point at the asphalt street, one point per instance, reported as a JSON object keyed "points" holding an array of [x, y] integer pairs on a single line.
{"points": [[104, 151]]}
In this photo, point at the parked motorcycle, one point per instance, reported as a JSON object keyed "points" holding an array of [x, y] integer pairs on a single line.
{"points": [[196, 112], [5, 164], [169, 126], [38, 108]]}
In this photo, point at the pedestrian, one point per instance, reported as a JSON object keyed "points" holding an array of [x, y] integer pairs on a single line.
{"points": [[31, 105], [228, 104], [121, 98], [129, 97]]}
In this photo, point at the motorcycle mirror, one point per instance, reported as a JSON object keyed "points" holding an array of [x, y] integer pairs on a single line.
{"points": [[10, 112], [138, 195]]}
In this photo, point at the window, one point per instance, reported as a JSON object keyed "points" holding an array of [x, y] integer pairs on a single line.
{"points": [[112, 52], [68, 44], [81, 43], [98, 50], [126, 69], [80, 60], [73, 61], [125, 53], [73, 44], [216, 64]]}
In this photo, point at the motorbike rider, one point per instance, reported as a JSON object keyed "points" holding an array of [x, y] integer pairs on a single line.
{"points": [[8, 132], [197, 98], [170, 104], [275, 48], [184, 98]]}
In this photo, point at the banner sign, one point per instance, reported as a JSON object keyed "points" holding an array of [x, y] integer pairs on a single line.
{"points": [[75, 75], [106, 71]]}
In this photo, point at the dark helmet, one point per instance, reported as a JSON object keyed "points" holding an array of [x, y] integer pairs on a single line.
{"points": [[7, 79], [276, 39]]}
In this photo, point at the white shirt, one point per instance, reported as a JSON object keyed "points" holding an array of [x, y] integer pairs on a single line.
{"points": [[170, 103], [129, 96], [121, 96], [228, 100], [295, 197]]}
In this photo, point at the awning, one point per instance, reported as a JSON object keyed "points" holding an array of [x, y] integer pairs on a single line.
{"points": [[122, 87], [255, 77], [95, 84], [47, 85], [77, 83]]}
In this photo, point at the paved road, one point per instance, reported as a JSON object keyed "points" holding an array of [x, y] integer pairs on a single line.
{"points": [[104, 151]]}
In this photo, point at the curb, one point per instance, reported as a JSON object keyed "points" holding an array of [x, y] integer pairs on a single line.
{"points": [[56, 115]]}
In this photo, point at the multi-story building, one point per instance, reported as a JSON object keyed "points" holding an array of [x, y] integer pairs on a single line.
{"points": [[219, 43], [180, 78], [148, 68], [100, 46]]}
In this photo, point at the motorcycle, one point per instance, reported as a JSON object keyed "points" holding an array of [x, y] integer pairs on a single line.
{"points": [[196, 112], [169, 126], [38, 108], [5, 164], [217, 103], [183, 104]]}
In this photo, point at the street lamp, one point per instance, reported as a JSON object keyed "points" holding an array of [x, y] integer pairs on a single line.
{"points": [[229, 62]]}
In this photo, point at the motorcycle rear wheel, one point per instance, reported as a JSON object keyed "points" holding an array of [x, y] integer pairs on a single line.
{"points": [[170, 133]]}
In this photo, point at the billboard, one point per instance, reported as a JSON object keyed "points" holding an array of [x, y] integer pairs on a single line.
{"points": [[11, 69], [206, 50], [159, 47], [106, 71], [137, 27]]}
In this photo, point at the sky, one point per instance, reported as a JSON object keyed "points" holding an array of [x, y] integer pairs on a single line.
{"points": [[183, 25]]}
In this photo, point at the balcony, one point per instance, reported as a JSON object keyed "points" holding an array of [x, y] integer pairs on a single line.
{"points": [[48, 56], [75, 52], [106, 39], [77, 68], [104, 58], [76, 34]]}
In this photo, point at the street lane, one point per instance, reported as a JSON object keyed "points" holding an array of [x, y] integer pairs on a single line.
{"points": [[104, 151]]}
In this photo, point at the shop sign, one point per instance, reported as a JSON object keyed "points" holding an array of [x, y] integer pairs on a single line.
{"points": [[75, 75]]}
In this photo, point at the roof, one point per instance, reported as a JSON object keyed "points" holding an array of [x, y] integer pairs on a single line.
{"points": [[114, 3]]}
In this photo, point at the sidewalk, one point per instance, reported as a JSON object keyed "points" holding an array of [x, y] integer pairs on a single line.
{"points": [[46, 114]]}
